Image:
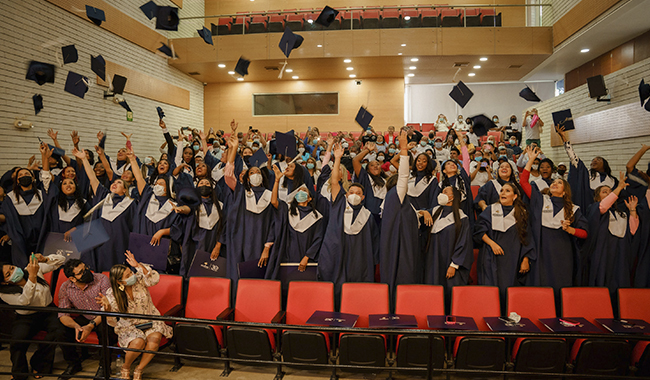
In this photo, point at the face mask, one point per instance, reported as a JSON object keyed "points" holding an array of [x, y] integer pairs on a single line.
{"points": [[440, 119], [495, 120], [364, 165], [371, 157], [249, 144], [314, 142], [503, 156], [438, 144], [131, 280], [87, 277], [561, 171], [478, 158], [204, 190], [25, 181], [158, 190], [256, 141], [255, 179], [301, 196], [354, 199], [353, 155], [195, 147], [423, 143], [443, 199], [255, 149], [380, 158], [147, 160], [17, 275], [310, 165], [391, 150], [345, 145], [535, 167], [392, 168], [513, 142], [301, 150]]}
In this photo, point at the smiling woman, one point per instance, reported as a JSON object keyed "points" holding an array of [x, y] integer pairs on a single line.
{"points": [[317, 103]]}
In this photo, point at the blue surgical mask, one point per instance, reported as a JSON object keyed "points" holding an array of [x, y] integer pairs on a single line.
{"points": [[423, 143], [391, 150], [310, 165], [301, 196], [17, 275], [438, 144], [131, 280], [513, 142], [364, 165], [478, 158], [195, 147]]}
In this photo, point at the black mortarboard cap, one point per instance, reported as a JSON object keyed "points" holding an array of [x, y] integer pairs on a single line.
{"points": [[149, 9], [363, 117], [188, 196], [119, 82], [102, 142], [161, 114], [98, 65], [76, 84], [596, 86], [289, 41], [89, 235], [563, 119], [327, 16], [258, 158], [482, 124], [285, 143], [206, 34], [69, 54], [125, 105], [242, 66], [644, 92], [37, 99], [529, 95], [40, 72], [166, 50], [461, 94], [167, 18], [56, 152], [95, 15]]}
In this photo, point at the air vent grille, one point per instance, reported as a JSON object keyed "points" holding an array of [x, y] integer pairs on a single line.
{"points": [[194, 73], [461, 64], [514, 67]]}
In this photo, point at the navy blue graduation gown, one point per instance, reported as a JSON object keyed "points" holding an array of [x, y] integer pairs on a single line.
{"points": [[581, 187], [501, 270], [119, 229], [641, 246], [24, 220], [58, 220], [146, 226], [422, 194], [348, 257], [467, 204], [374, 196]]}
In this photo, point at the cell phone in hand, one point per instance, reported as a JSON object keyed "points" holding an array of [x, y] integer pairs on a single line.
{"points": [[484, 164]]}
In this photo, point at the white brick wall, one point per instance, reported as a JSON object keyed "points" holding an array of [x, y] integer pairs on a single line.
{"points": [[558, 8], [35, 30], [186, 28], [623, 86]]}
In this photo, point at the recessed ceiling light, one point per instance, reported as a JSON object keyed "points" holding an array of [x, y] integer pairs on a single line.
{"points": [[584, 51], [347, 60], [410, 75], [471, 74], [399, 53], [412, 67], [403, 45], [289, 70], [349, 68], [477, 66], [414, 59], [407, 18], [310, 21], [240, 79], [231, 72], [221, 65], [352, 75], [483, 59], [319, 45], [294, 77]]}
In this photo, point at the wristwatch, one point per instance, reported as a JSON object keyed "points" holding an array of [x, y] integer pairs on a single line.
{"points": [[92, 322]]}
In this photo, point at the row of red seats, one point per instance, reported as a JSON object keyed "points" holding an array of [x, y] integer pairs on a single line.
{"points": [[429, 127], [304, 19]]}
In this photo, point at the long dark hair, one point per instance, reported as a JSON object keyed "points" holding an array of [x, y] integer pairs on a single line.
{"points": [[568, 204], [15, 289], [446, 182], [606, 169], [512, 180], [293, 206], [298, 177], [116, 273], [428, 171], [265, 179], [215, 202], [521, 213], [192, 162], [156, 174], [18, 190], [63, 199], [455, 207]]}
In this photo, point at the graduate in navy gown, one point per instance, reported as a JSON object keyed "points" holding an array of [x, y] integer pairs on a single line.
{"points": [[637, 179], [449, 256], [641, 244], [556, 223], [372, 178], [351, 239], [609, 245], [294, 176], [506, 245], [117, 212], [24, 210], [399, 248], [456, 176], [491, 192]]}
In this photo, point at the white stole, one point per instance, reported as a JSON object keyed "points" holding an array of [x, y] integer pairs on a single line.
{"points": [[109, 212], [548, 219], [257, 206], [155, 213], [617, 224], [302, 225], [23, 208], [415, 190], [207, 222], [500, 222], [442, 223], [595, 182], [69, 214], [360, 222]]}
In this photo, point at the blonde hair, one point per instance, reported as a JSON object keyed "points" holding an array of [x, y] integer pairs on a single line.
{"points": [[344, 179]]}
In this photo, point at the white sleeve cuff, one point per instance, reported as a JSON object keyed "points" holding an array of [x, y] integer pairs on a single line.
{"points": [[455, 266]]}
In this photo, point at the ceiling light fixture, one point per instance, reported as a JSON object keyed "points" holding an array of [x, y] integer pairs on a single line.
{"points": [[483, 59], [349, 68], [221, 65], [584, 51], [289, 70], [319, 45], [399, 53], [347, 60], [471, 74], [240, 79], [410, 75], [477, 66], [294, 77], [403, 45], [231, 72], [414, 59], [412, 68], [352, 75]]}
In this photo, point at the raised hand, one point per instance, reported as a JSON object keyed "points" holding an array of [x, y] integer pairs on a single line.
{"points": [[278, 173], [563, 134], [99, 150], [53, 135], [338, 151], [128, 137], [130, 259], [370, 146], [100, 135], [234, 125], [631, 202], [75, 138], [80, 154], [162, 124], [46, 152], [403, 139], [202, 135]]}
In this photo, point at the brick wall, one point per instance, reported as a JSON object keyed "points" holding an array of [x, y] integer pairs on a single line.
{"points": [[35, 30], [558, 8]]}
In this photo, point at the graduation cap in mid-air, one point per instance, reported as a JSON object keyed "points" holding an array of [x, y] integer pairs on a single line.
{"points": [[98, 66], [242, 66], [188, 196], [149, 9], [56, 152], [119, 82], [644, 94], [40, 72], [528, 94], [161, 114], [289, 41], [327, 16], [206, 34], [167, 18], [285, 143], [95, 15], [168, 50], [89, 235], [37, 99], [363, 117], [481, 124], [461, 94], [563, 119], [258, 158], [125, 105], [69, 54], [76, 84]]}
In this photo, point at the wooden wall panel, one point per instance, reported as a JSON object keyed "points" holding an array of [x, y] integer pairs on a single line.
{"points": [[578, 17], [542, 40], [418, 41], [116, 22], [148, 87], [458, 41], [513, 39], [622, 56], [642, 47], [179, 3]]}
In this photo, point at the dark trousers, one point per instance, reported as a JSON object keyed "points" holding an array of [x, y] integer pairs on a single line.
{"points": [[26, 327], [72, 356]]}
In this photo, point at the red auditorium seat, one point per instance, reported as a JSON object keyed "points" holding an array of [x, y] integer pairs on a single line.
{"points": [[294, 21], [496, 135], [48, 277], [427, 127], [276, 21], [450, 17], [635, 304], [201, 339], [391, 18], [350, 20], [535, 354], [478, 353], [415, 126], [223, 26], [421, 301], [257, 301], [304, 298], [473, 272], [258, 24], [430, 17], [594, 356], [442, 135], [239, 23], [489, 17], [310, 14], [355, 135], [472, 17], [363, 299], [410, 18], [370, 19]]}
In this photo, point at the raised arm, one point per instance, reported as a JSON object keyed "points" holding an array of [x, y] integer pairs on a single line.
{"points": [[54, 136], [335, 177], [168, 138], [233, 143], [104, 160], [81, 156], [137, 173], [356, 161], [464, 153], [403, 171], [525, 175], [276, 186], [635, 159], [573, 157]]}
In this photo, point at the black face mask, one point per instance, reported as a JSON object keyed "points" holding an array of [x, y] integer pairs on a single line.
{"points": [[87, 277], [561, 172], [204, 190], [25, 181]]}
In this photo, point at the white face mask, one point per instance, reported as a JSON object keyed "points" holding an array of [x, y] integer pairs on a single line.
{"points": [[353, 155], [301, 150], [249, 144], [354, 199], [371, 157], [158, 190], [443, 199], [345, 145], [535, 167], [255, 179]]}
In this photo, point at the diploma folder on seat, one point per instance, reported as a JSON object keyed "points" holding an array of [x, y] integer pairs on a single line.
{"points": [[56, 244], [203, 266], [144, 252]]}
